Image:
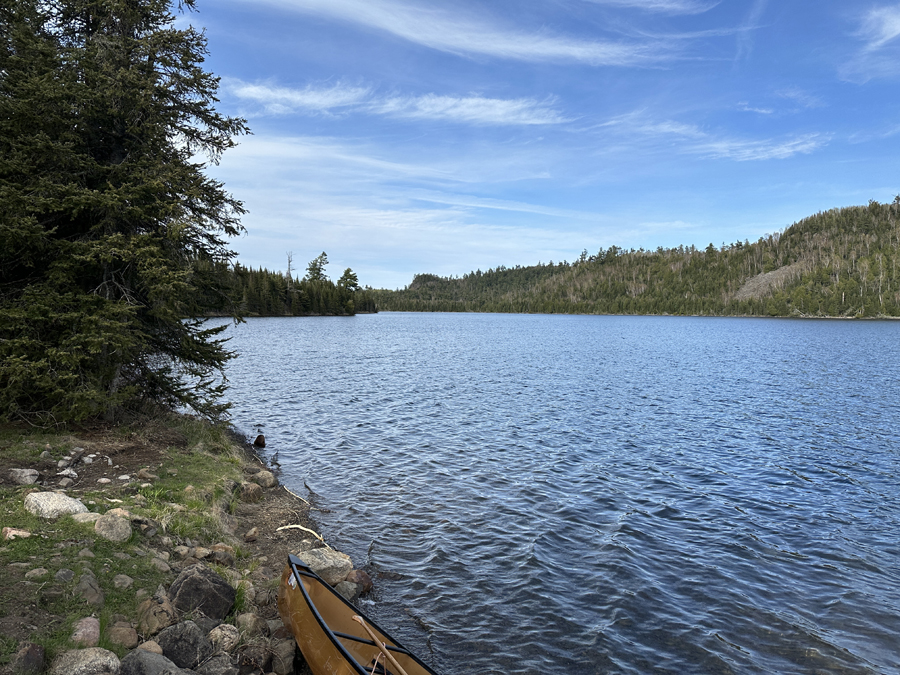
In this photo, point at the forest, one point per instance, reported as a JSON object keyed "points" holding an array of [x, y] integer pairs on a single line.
{"points": [[837, 263], [264, 293]]}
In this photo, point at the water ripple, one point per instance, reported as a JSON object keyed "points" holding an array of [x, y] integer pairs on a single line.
{"points": [[599, 494]]}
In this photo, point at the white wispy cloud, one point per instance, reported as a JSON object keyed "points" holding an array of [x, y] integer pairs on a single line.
{"points": [[745, 32], [474, 109], [800, 97], [342, 98], [283, 100], [880, 26], [879, 54], [665, 6], [757, 150], [691, 139], [446, 30]]}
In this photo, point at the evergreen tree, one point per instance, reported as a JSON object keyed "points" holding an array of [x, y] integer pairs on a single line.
{"points": [[111, 237]]}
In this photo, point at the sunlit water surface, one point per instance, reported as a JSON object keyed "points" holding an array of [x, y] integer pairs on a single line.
{"points": [[574, 494]]}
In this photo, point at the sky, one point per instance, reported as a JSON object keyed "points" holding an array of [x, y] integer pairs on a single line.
{"points": [[413, 136]]}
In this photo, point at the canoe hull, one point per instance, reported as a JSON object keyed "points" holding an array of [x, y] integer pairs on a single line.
{"points": [[322, 623]]}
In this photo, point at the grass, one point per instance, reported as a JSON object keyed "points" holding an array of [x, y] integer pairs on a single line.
{"points": [[205, 458]]}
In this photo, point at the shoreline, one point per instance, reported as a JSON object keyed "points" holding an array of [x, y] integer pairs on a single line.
{"points": [[189, 493]]}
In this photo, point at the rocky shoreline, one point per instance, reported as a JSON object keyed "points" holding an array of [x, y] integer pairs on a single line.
{"points": [[201, 601]]}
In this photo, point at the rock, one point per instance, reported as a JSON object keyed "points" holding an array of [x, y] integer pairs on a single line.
{"points": [[206, 624], [332, 566], [144, 474], [160, 565], [85, 553], [182, 551], [87, 632], [260, 441], [198, 587], [185, 644], [362, 578], [348, 590], [87, 460], [113, 528], [283, 657], [91, 661], [66, 482], [154, 614], [200, 553], [14, 533], [121, 581], [36, 573], [125, 477], [68, 473], [119, 512], [274, 625], [254, 658], [218, 665], [104, 481], [265, 479], [229, 522], [86, 517], [251, 625], [122, 633], [63, 463], [151, 646], [146, 662], [65, 575], [251, 493], [224, 637], [88, 588], [222, 554], [23, 476], [52, 505], [251, 535], [28, 660]]}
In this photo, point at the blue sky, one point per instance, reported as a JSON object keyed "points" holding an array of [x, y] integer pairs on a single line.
{"points": [[405, 136]]}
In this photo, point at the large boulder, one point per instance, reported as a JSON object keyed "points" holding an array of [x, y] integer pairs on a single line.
{"points": [[52, 505], [220, 664], [332, 566], [185, 644], [198, 588], [91, 661]]}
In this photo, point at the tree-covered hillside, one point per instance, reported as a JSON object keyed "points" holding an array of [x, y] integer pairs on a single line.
{"points": [[264, 293], [842, 262]]}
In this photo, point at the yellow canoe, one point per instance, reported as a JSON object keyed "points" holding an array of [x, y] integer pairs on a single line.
{"points": [[333, 635]]}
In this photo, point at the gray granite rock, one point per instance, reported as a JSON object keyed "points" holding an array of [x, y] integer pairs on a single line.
{"points": [[113, 528], [87, 632], [23, 476], [88, 588], [90, 661], [332, 566], [52, 505]]}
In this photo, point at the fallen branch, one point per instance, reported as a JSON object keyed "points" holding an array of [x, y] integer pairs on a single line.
{"points": [[305, 529], [297, 496]]}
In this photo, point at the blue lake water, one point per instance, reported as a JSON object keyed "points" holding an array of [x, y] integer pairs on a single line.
{"points": [[594, 494]]}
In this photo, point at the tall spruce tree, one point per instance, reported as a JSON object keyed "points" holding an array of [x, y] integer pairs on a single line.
{"points": [[112, 238]]}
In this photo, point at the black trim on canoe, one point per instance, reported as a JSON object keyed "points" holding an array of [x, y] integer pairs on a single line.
{"points": [[300, 568], [355, 638]]}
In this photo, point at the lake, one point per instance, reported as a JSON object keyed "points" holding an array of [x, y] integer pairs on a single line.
{"points": [[598, 494]]}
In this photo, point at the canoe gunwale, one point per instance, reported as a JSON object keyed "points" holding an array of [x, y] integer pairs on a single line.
{"points": [[300, 569]]}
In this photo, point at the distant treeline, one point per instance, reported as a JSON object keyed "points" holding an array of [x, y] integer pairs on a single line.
{"points": [[263, 293], [839, 263]]}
